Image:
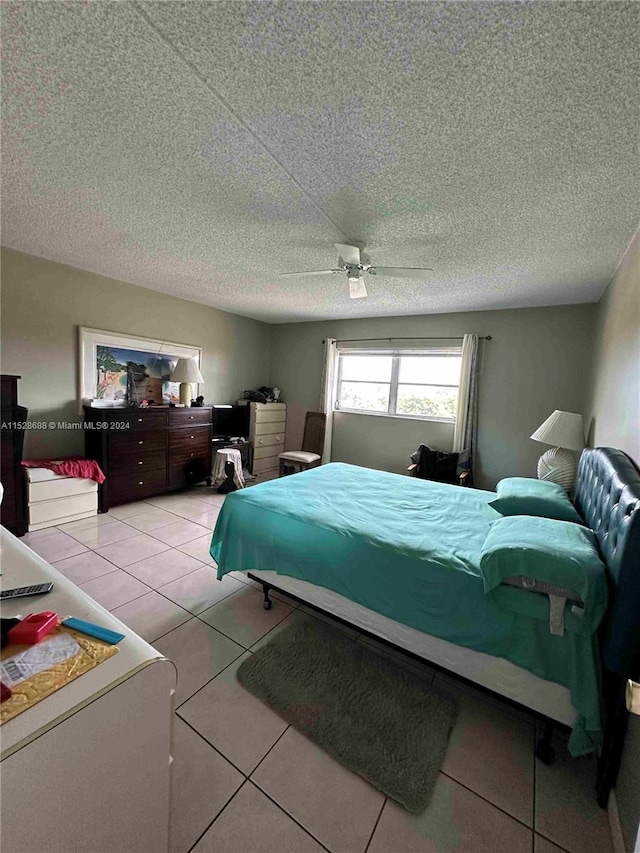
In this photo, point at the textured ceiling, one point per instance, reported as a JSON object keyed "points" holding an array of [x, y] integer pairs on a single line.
{"points": [[200, 149]]}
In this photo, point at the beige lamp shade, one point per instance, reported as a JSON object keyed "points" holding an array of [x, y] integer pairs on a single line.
{"points": [[561, 429], [186, 370], [565, 432]]}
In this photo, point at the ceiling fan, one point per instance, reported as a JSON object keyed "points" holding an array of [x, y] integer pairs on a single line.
{"points": [[352, 262]]}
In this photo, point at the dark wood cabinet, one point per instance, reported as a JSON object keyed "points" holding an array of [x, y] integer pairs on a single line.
{"points": [[145, 452], [13, 513]]}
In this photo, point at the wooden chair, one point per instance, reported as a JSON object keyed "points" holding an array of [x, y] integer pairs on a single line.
{"points": [[310, 456]]}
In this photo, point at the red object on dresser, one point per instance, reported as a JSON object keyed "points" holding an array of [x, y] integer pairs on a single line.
{"points": [[69, 466]]}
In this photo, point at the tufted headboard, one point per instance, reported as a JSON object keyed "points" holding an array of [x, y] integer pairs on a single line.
{"points": [[608, 498]]}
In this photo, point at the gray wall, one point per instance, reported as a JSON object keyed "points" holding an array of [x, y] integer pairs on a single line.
{"points": [[43, 303], [614, 407], [538, 360], [614, 398]]}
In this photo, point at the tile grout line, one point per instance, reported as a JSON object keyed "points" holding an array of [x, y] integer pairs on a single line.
{"points": [[290, 816], [201, 836], [484, 799], [551, 841], [375, 826], [244, 652], [170, 548], [273, 745], [214, 748], [124, 603]]}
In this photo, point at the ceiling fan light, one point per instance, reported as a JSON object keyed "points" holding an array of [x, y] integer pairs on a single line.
{"points": [[357, 289]]}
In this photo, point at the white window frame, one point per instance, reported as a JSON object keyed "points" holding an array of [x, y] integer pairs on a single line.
{"points": [[396, 355]]}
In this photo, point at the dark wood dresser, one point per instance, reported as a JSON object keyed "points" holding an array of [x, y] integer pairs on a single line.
{"points": [[145, 452], [13, 511]]}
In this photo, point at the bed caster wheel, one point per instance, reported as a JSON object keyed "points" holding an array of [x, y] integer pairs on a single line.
{"points": [[545, 752], [268, 604]]}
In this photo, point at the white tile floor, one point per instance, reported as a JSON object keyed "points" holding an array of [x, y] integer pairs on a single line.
{"points": [[244, 781]]}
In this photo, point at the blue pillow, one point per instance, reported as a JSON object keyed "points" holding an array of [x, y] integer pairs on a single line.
{"points": [[543, 549], [526, 496]]}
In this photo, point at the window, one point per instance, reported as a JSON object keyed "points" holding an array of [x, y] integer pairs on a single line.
{"points": [[409, 384]]}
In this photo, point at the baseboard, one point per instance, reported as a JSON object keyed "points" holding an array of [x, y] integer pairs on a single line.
{"points": [[615, 825]]}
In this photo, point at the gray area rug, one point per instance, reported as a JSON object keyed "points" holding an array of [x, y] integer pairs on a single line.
{"points": [[370, 712]]}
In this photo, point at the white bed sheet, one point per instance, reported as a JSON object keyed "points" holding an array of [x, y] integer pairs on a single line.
{"points": [[497, 674]]}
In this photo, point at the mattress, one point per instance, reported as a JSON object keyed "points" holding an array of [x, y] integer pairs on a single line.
{"points": [[496, 674], [408, 550]]}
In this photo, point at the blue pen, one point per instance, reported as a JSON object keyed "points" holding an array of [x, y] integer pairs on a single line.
{"points": [[92, 630]]}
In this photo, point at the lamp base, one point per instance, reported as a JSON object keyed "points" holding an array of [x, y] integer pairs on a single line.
{"points": [[558, 466], [185, 393]]}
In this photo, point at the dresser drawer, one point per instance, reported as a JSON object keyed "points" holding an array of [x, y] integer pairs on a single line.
{"points": [[141, 419], [269, 413], [180, 458], [268, 440], [141, 462], [197, 438], [136, 443], [178, 470], [268, 428], [48, 513], [271, 450], [130, 487], [267, 464], [189, 417], [64, 487]]}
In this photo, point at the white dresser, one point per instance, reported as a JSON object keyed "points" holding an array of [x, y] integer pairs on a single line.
{"points": [[87, 768], [55, 499], [267, 425]]}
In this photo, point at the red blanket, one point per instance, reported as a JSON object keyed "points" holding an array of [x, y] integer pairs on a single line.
{"points": [[69, 466]]}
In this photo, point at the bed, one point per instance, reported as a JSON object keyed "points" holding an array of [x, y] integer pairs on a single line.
{"points": [[398, 558]]}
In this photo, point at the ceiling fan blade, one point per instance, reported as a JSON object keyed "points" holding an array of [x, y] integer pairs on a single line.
{"points": [[348, 254], [311, 272], [400, 272], [357, 289]]}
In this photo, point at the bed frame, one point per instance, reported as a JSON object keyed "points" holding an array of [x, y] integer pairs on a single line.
{"points": [[607, 495]]}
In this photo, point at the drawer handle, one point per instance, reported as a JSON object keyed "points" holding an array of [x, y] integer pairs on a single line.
{"points": [[192, 453], [192, 436], [141, 442], [141, 482], [139, 463], [190, 417], [139, 420]]}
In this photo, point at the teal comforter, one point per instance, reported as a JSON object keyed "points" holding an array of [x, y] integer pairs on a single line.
{"points": [[410, 550]]}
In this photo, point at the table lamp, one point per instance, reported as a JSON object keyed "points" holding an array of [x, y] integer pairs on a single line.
{"points": [[185, 372], [565, 431]]}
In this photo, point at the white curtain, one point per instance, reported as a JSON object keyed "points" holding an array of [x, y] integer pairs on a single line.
{"points": [[327, 394], [464, 436]]}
